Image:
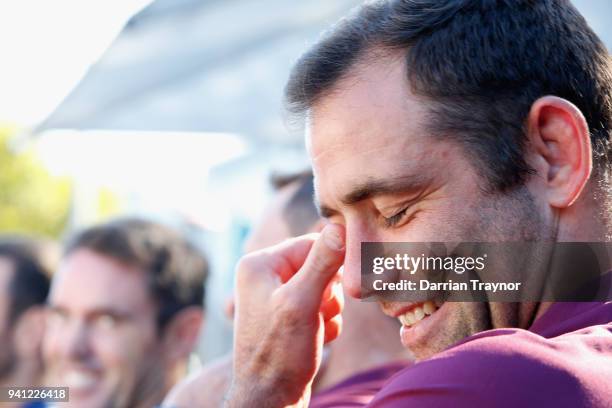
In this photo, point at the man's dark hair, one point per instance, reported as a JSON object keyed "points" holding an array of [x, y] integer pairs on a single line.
{"points": [[177, 271], [480, 65], [29, 284], [299, 212]]}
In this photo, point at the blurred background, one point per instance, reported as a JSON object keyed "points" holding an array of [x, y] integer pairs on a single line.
{"points": [[170, 109]]}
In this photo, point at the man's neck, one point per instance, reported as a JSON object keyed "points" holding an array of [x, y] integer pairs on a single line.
{"points": [[172, 376], [587, 220]]}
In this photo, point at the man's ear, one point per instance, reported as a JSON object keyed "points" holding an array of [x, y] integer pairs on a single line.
{"points": [[560, 139], [181, 334], [29, 331]]}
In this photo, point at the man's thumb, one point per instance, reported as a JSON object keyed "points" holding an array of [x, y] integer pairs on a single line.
{"points": [[323, 260]]}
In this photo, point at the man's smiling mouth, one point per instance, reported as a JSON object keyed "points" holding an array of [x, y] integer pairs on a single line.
{"points": [[417, 313]]}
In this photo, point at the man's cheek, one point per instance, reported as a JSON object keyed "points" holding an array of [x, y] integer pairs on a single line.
{"points": [[113, 356], [126, 349], [424, 227], [51, 352], [112, 353], [114, 348]]}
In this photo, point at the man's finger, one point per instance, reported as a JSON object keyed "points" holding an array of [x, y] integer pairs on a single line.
{"points": [[333, 328], [280, 261], [287, 257], [333, 286], [334, 305], [322, 263]]}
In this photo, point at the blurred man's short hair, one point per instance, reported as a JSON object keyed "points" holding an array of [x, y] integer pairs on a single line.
{"points": [[30, 281], [177, 269], [299, 213]]}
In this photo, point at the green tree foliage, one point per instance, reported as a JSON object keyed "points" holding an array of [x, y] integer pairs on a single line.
{"points": [[31, 200]]}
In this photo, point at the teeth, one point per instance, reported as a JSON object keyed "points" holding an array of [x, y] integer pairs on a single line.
{"points": [[79, 380], [429, 307], [417, 314], [410, 318]]}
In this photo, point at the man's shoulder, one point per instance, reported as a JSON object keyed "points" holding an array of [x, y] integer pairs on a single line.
{"points": [[509, 367]]}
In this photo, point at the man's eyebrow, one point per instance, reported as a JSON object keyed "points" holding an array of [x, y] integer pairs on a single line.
{"points": [[323, 210], [95, 312], [56, 308], [102, 311], [373, 188]]}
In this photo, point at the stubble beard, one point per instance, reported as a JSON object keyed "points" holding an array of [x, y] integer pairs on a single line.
{"points": [[511, 216]]}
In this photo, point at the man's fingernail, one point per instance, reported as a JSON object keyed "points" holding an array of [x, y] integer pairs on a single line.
{"points": [[332, 238]]}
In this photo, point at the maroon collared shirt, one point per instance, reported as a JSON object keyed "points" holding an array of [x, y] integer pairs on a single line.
{"points": [[563, 360]]}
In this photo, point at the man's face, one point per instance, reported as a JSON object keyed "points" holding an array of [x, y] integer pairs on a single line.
{"points": [[380, 174], [102, 341], [272, 227], [7, 355]]}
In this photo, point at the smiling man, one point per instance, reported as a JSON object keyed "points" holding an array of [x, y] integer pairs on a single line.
{"points": [[438, 121], [125, 313]]}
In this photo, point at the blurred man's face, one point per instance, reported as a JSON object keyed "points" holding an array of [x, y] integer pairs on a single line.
{"points": [[7, 355], [102, 341], [272, 228], [380, 174]]}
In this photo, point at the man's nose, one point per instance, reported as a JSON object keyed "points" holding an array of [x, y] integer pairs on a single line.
{"points": [[76, 340], [351, 277]]}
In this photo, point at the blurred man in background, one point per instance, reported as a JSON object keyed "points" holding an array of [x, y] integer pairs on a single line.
{"points": [[343, 378], [24, 285], [125, 311]]}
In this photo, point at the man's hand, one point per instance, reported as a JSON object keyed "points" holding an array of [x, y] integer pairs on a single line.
{"points": [[288, 304]]}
